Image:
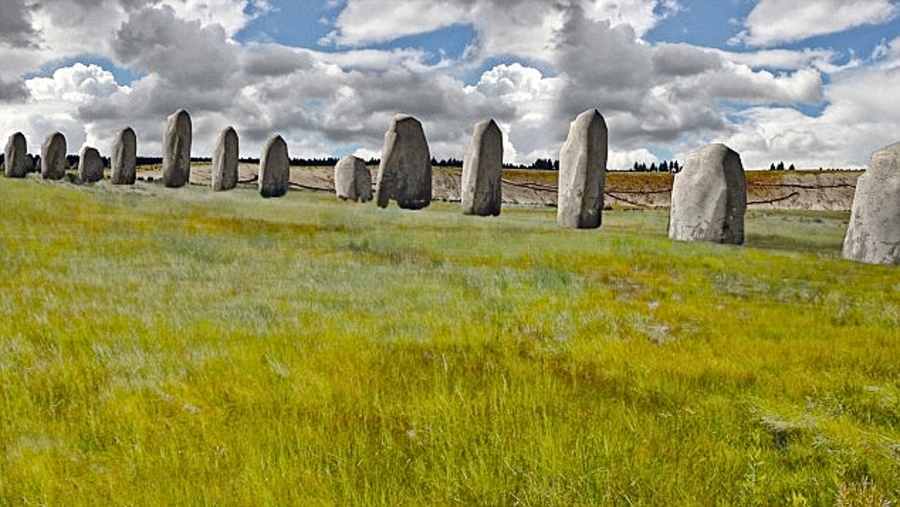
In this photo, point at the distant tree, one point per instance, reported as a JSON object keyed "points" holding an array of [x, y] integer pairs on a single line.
{"points": [[780, 166], [664, 167], [792, 168], [772, 167], [636, 167]]}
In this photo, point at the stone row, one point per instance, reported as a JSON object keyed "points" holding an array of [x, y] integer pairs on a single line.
{"points": [[709, 195]]}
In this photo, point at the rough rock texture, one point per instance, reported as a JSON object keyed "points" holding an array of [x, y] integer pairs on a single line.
{"points": [[873, 235], [709, 197], [177, 150], [123, 161], [15, 159], [53, 157], [90, 165], [274, 168], [405, 170], [582, 172], [352, 179], [482, 168], [225, 161]]}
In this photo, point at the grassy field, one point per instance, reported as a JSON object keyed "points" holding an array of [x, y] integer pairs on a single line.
{"points": [[181, 347]]}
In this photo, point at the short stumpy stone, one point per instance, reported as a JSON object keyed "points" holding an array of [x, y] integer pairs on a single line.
{"points": [[123, 160], [274, 168], [404, 174], [15, 159], [873, 235], [709, 197], [53, 157], [177, 150], [582, 172], [90, 165], [482, 171], [352, 179], [225, 161]]}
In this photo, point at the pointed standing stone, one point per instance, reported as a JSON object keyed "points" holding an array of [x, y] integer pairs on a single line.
{"points": [[123, 162], [274, 168], [53, 157], [16, 156], [225, 161], [90, 165], [709, 197], [405, 170], [482, 171], [582, 172], [177, 150], [873, 235], [352, 179]]}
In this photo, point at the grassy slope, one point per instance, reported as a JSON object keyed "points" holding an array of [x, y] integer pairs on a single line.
{"points": [[191, 347]]}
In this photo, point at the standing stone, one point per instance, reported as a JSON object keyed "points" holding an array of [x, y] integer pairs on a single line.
{"points": [[90, 165], [482, 168], [123, 161], [405, 170], [225, 161], [274, 168], [31, 163], [873, 235], [53, 157], [709, 197], [16, 156], [582, 172], [177, 150], [352, 179]]}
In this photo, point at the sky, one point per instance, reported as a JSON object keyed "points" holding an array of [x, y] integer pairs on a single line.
{"points": [[815, 84]]}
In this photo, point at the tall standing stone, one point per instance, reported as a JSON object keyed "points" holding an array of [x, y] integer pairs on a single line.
{"points": [[352, 179], [123, 162], [709, 197], [177, 150], [225, 161], [90, 165], [873, 235], [274, 168], [53, 157], [16, 156], [405, 170], [482, 171], [582, 172]]}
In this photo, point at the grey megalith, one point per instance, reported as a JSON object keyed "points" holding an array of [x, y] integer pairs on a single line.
{"points": [[709, 197], [582, 172], [352, 179], [274, 168], [123, 159], [16, 156], [873, 235], [405, 170], [53, 157], [225, 161], [482, 171], [177, 150], [90, 165]]}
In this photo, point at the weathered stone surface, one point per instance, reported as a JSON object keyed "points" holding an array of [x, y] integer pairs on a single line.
{"points": [[352, 179], [90, 165], [873, 235], [582, 172], [225, 161], [123, 161], [274, 168], [482, 171], [15, 157], [405, 170], [177, 150], [709, 197], [53, 157]]}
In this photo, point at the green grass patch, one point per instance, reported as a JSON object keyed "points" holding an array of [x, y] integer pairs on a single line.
{"points": [[163, 347]]}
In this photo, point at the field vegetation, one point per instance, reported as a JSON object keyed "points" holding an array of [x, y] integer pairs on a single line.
{"points": [[172, 347]]}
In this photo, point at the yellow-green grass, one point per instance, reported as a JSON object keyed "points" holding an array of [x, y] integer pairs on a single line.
{"points": [[171, 347]]}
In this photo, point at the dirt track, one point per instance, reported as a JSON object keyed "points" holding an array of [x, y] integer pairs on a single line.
{"points": [[794, 190]]}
